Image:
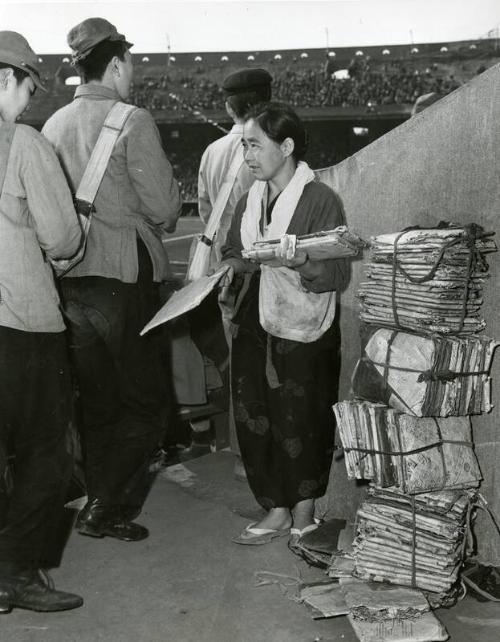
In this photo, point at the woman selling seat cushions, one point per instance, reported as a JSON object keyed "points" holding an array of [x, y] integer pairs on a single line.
{"points": [[283, 353]]}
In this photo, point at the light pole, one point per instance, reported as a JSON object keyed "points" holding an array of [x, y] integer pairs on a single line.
{"points": [[168, 49]]}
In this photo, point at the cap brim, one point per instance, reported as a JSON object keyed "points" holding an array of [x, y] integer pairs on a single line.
{"points": [[119, 36], [113, 38], [36, 79], [246, 88], [28, 69], [33, 75]]}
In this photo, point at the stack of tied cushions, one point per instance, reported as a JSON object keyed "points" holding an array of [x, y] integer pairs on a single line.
{"points": [[423, 371]]}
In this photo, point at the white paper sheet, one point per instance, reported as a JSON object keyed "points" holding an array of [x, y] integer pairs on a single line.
{"points": [[186, 299]]}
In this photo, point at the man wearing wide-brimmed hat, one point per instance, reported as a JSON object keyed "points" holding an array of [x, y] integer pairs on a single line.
{"points": [[37, 222], [113, 292]]}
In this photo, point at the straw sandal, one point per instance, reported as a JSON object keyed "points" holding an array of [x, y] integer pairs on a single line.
{"points": [[296, 534], [252, 536]]}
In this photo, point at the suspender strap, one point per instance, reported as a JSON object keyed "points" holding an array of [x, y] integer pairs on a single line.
{"points": [[99, 159], [7, 131]]}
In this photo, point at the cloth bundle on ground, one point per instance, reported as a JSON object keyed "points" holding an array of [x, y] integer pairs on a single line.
{"points": [[427, 280], [425, 375], [331, 244], [416, 541], [415, 454]]}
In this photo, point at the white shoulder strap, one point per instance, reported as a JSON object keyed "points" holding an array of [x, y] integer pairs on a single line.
{"points": [[92, 178], [200, 261], [99, 159], [224, 193], [6, 137]]}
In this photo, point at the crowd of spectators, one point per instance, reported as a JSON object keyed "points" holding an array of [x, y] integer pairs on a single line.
{"points": [[185, 166], [165, 92], [366, 85], [185, 162], [362, 87]]}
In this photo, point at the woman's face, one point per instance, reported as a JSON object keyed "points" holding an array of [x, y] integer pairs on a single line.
{"points": [[264, 157]]}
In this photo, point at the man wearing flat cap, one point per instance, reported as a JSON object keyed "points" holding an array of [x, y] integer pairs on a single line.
{"points": [[242, 90], [37, 223], [113, 292], [222, 165]]}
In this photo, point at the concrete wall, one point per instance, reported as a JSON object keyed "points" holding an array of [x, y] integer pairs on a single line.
{"points": [[443, 164]]}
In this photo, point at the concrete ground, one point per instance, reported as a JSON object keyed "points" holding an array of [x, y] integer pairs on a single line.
{"points": [[189, 583]]}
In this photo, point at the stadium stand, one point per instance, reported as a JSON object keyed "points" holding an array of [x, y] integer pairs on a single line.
{"points": [[353, 84]]}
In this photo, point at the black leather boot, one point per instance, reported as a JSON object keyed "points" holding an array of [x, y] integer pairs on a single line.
{"points": [[29, 591], [100, 520]]}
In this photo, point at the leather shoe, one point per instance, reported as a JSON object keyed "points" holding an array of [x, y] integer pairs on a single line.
{"points": [[100, 520], [94, 512], [29, 591], [120, 529]]}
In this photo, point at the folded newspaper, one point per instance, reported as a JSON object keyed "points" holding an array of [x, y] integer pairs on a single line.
{"points": [[376, 602], [417, 455], [416, 541], [425, 375], [427, 280], [186, 299], [425, 628], [331, 244]]}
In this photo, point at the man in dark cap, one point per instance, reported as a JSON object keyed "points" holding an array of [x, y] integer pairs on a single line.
{"points": [[37, 221], [223, 175], [242, 89], [113, 292]]}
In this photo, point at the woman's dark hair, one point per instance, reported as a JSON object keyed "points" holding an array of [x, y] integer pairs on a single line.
{"points": [[19, 74], [93, 66], [242, 102], [279, 121]]}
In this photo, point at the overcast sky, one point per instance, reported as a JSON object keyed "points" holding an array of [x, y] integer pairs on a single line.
{"points": [[256, 25]]}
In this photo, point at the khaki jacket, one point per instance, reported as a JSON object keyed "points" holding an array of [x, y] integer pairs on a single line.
{"points": [[138, 195], [37, 219]]}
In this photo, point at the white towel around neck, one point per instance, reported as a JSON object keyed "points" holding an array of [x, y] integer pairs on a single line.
{"points": [[286, 309], [283, 209]]}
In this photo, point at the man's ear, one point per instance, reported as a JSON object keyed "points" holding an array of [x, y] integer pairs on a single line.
{"points": [[115, 66], [287, 146], [229, 110], [6, 76]]}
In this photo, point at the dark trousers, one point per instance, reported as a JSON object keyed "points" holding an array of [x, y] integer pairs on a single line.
{"points": [[121, 380], [35, 407]]}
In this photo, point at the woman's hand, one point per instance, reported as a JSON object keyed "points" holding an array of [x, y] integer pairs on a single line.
{"points": [[239, 266], [225, 283], [286, 254], [236, 266]]}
